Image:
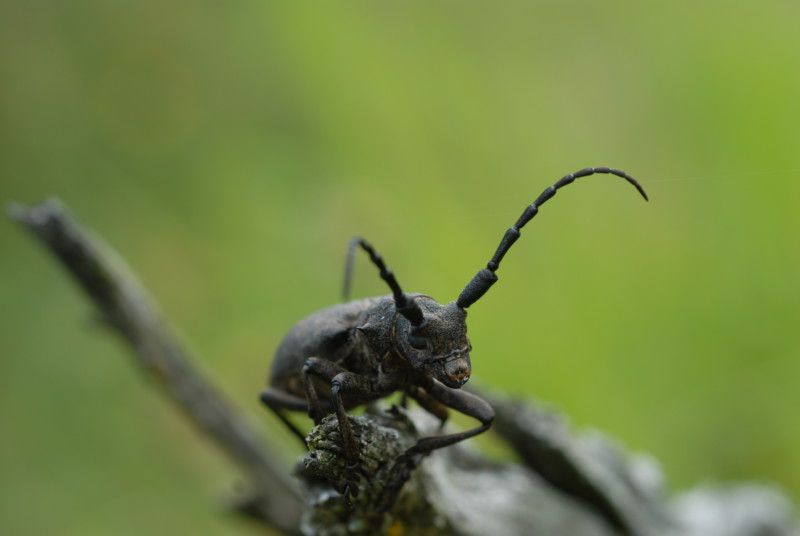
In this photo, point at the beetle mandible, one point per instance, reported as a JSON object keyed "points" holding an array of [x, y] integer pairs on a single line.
{"points": [[353, 353]]}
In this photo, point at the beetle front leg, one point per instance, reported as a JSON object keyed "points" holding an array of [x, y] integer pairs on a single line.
{"points": [[342, 381], [461, 401]]}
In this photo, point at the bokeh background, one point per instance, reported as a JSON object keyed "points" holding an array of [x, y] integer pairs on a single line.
{"points": [[229, 150]]}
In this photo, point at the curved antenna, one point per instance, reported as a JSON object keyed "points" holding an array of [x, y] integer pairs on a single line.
{"points": [[486, 277], [405, 306]]}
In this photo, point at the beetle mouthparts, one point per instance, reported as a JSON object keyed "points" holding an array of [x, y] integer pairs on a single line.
{"points": [[457, 371]]}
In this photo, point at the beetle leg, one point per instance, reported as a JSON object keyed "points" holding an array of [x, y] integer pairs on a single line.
{"points": [[461, 401], [347, 381], [341, 381], [428, 403], [316, 366], [322, 368], [278, 400]]}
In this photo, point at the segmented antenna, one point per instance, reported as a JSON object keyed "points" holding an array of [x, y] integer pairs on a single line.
{"points": [[486, 277], [405, 306]]}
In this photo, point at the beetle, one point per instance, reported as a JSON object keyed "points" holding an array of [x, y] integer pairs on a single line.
{"points": [[357, 352]]}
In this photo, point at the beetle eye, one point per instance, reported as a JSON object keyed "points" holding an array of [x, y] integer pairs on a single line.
{"points": [[420, 343]]}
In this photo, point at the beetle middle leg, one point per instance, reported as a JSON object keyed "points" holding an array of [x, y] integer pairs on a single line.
{"points": [[278, 401], [428, 403]]}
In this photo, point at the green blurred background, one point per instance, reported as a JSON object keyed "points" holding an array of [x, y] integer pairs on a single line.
{"points": [[229, 150]]}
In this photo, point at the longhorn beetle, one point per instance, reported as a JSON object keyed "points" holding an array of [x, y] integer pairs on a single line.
{"points": [[357, 352]]}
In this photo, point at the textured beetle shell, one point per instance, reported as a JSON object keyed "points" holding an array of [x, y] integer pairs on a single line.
{"points": [[332, 334]]}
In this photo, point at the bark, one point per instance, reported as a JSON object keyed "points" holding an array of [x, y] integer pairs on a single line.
{"points": [[564, 483]]}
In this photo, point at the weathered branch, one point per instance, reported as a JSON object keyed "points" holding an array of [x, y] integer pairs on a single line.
{"points": [[580, 485], [125, 306]]}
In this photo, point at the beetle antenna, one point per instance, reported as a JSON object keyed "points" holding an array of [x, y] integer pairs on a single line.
{"points": [[404, 305], [486, 277]]}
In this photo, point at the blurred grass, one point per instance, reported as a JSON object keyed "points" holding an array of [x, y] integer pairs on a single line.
{"points": [[228, 151]]}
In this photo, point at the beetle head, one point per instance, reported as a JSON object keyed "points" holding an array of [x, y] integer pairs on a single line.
{"points": [[439, 346], [430, 336]]}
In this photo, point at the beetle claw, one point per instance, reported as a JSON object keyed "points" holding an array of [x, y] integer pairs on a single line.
{"points": [[349, 487]]}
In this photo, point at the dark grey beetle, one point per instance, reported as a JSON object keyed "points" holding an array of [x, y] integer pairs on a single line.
{"points": [[357, 352]]}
